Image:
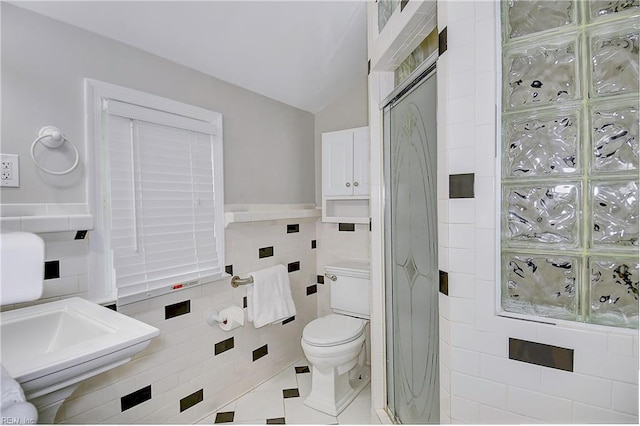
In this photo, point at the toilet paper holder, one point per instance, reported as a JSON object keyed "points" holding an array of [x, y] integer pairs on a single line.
{"points": [[213, 318]]}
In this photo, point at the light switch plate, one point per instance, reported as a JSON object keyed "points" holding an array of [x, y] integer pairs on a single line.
{"points": [[9, 170]]}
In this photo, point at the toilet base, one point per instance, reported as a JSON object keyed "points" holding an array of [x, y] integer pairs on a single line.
{"points": [[331, 394]]}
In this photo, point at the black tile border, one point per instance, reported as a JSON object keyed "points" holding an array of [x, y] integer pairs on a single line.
{"points": [[403, 4], [225, 417], [294, 266], [229, 269], [290, 393], [541, 354], [244, 302], [177, 309], [112, 306], [442, 41], [260, 352], [135, 398], [51, 269], [347, 227], [191, 400], [293, 228], [444, 282], [80, 235], [320, 279], [461, 186], [314, 244], [312, 289], [302, 369], [276, 421], [223, 346], [265, 252], [288, 320]]}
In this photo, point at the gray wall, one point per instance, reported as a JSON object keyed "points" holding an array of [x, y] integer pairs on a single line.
{"points": [[268, 146], [348, 111]]}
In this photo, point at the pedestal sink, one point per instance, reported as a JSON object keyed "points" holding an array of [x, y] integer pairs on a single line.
{"points": [[50, 348]]}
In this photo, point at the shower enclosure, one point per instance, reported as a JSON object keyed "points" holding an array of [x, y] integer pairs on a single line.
{"points": [[411, 252]]}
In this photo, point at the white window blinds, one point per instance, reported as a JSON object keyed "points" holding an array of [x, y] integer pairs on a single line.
{"points": [[162, 210]]}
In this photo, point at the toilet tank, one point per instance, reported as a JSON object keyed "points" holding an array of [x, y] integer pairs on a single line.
{"points": [[350, 290]]}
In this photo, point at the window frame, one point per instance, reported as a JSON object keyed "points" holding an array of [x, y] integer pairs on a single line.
{"points": [[101, 288]]}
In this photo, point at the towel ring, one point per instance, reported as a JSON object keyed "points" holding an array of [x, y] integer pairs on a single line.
{"points": [[52, 138]]}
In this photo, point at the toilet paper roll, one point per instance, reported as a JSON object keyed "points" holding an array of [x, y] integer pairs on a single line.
{"points": [[231, 318]]}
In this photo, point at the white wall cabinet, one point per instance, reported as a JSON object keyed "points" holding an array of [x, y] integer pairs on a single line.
{"points": [[345, 176]]}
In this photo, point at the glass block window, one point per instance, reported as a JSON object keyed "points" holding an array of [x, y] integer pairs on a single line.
{"points": [[570, 166], [385, 10], [420, 54]]}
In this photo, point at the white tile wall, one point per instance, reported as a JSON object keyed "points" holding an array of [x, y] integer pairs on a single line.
{"points": [[181, 360], [485, 386]]}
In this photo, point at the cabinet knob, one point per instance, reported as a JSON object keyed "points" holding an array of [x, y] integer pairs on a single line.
{"points": [[348, 184], [355, 183]]}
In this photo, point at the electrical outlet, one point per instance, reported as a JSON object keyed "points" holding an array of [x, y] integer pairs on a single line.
{"points": [[9, 170]]}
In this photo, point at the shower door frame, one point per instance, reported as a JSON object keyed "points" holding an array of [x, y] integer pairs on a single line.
{"points": [[423, 72]]}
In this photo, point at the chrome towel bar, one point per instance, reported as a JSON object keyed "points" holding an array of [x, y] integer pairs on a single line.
{"points": [[237, 281]]}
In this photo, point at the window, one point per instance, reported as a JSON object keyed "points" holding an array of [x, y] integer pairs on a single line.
{"points": [[157, 194], [570, 161]]}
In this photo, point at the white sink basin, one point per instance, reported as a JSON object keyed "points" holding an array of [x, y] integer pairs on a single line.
{"points": [[51, 347]]}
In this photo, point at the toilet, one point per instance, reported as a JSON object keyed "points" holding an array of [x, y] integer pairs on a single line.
{"points": [[335, 344]]}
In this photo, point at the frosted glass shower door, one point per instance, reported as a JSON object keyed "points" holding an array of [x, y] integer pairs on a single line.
{"points": [[411, 255]]}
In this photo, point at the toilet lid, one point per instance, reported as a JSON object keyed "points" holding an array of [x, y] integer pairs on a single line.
{"points": [[332, 330]]}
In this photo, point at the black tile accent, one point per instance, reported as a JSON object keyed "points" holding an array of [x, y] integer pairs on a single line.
{"points": [[80, 235], [265, 252], [444, 283], [303, 369], [541, 354], [293, 266], [51, 269], [314, 244], [442, 41], [349, 227], [112, 306], [312, 289], [191, 400], [276, 421], [225, 417], [293, 228], [403, 3], [223, 346], [177, 309], [369, 67], [260, 352], [461, 186], [290, 393], [229, 269], [244, 302], [288, 320], [135, 398], [320, 279]]}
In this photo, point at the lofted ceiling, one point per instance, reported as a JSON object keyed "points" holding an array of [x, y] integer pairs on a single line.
{"points": [[302, 53]]}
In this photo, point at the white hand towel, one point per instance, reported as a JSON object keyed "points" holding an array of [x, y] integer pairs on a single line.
{"points": [[269, 298]]}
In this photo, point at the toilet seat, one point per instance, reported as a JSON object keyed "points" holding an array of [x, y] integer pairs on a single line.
{"points": [[333, 330]]}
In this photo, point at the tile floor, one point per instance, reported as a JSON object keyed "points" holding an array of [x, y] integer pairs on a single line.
{"points": [[279, 401]]}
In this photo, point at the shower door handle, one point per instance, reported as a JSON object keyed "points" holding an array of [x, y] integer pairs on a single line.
{"points": [[331, 277]]}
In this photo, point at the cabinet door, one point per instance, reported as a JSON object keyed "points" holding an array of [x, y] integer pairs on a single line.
{"points": [[337, 163], [361, 161]]}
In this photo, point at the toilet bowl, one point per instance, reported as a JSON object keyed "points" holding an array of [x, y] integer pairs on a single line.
{"points": [[334, 346]]}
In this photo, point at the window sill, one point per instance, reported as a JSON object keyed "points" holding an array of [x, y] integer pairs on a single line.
{"points": [[247, 213], [47, 223]]}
